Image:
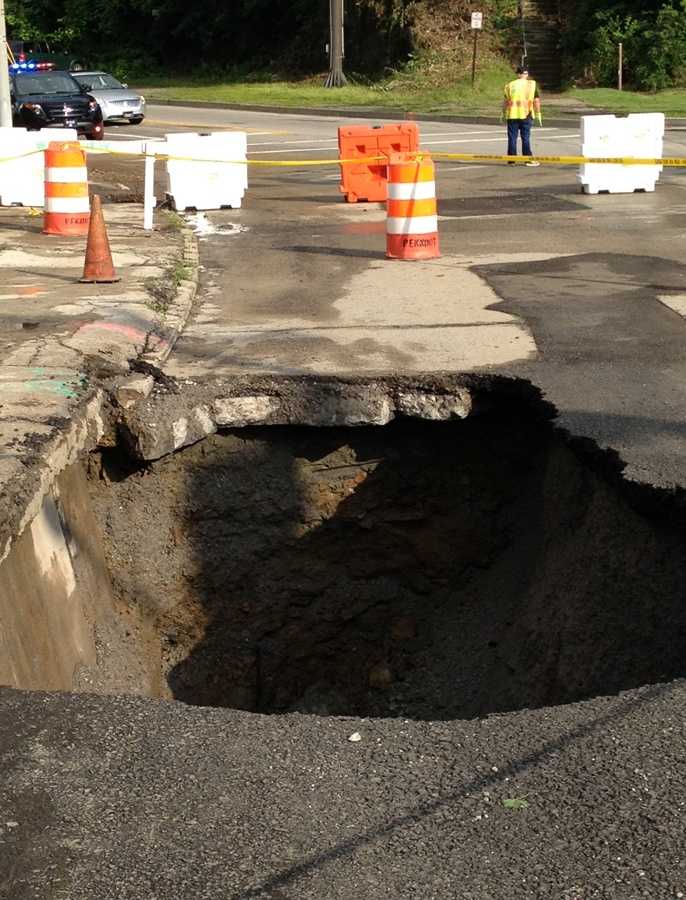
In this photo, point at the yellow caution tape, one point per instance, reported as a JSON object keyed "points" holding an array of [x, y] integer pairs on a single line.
{"points": [[242, 162], [670, 162], [676, 162], [4, 159]]}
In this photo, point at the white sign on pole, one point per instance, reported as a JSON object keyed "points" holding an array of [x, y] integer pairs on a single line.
{"points": [[477, 20]]}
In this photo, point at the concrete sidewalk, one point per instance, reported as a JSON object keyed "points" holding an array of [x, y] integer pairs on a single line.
{"points": [[60, 340]]}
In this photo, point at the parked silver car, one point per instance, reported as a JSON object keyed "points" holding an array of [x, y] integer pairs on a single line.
{"points": [[117, 102]]}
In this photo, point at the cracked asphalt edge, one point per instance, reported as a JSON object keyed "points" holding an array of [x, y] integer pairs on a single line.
{"points": [[30, 464]]}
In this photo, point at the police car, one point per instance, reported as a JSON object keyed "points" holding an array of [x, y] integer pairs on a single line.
{"points": [[43, 97]]}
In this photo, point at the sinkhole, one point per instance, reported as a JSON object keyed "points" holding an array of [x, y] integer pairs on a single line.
{"points": [[428, 570]]}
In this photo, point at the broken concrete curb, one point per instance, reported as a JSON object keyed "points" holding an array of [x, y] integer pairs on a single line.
{"points": [[169, 420], [175, 317]]}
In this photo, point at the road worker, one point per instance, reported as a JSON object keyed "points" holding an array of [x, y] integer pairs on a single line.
{"points": [[521, 104]]}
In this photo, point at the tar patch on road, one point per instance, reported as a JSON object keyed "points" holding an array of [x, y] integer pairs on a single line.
{"points": [[611, 356], [598, 306], [506, 203]]}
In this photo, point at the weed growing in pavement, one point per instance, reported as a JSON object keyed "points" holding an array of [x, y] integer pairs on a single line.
{"points": [[180, 272], [174, 222], [161, 292], [163, 289], [515, 803]]}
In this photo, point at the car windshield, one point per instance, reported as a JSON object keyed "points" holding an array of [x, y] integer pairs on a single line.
{"points": [[99, 81], [45, 83]]}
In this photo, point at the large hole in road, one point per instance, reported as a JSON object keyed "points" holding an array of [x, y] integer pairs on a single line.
{"points": [[423, 570]]}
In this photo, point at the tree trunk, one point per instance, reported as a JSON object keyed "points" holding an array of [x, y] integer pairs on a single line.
{"points": [[336, 78]]}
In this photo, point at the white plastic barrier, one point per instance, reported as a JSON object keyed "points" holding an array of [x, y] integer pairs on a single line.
{"points": [[637, 135], [149, 150], [22, 177], [207, 183]]}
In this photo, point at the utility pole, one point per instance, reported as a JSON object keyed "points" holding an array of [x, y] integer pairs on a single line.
{"points": [[336, 78], [5, 102]]}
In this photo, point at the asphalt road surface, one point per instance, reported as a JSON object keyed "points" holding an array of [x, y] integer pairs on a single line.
{"points": [[583, 295], [107, 798], [134, 799]]}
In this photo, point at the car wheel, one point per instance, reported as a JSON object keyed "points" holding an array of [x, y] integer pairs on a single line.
{"points": [[137, 120]]}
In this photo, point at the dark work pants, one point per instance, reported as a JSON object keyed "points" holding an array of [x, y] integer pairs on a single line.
{"points": [[516, 127]]}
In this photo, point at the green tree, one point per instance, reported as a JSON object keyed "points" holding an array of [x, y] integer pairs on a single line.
{"points": [[653, 33]]}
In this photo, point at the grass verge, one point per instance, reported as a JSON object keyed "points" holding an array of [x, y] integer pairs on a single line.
{"points": [[418, 91], [671, 103], [412, 94]]}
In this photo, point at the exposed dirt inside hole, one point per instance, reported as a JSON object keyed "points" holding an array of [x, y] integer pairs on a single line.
{"points": [[428, 570]]}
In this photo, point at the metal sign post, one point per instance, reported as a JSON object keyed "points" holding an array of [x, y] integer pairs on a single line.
{"points": [[5, 102], [477, 25], [620, 69]]}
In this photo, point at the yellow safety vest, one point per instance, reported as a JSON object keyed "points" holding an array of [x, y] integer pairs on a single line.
{"points": [[519, 98]]}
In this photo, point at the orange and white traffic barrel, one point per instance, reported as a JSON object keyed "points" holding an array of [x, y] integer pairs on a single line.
{"points": [[411, 215], [67, 210]]}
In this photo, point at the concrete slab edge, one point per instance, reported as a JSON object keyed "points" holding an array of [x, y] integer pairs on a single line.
{"points": [[169, 420], [130, 389], [177, 415], [25, 494], [22, 495]]}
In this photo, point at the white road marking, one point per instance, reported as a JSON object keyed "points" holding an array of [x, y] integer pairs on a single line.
{"points": [[461, 168], [159, 137], [216, 125], [294, 150], [283, 143], [447, 218], [127, 134], [494, 140], [335, 147], [430, 134], [316, 145], [466, 215], [465, 133]]}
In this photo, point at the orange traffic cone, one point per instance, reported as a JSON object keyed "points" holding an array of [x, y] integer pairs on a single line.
{"points": [[98, 267]]}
